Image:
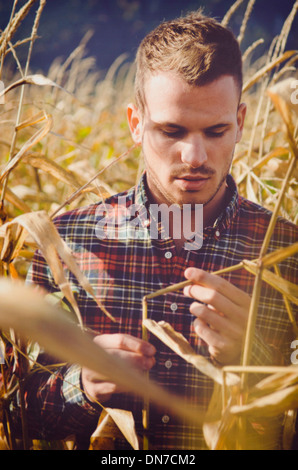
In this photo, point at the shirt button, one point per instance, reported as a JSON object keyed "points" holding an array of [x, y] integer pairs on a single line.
{"points": [[146, 223], [217, 233], [174, 307], [168, 364], [165, 419], [168, 255]]}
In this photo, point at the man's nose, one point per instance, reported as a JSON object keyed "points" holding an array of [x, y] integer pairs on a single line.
{"points": [[193, 152]]}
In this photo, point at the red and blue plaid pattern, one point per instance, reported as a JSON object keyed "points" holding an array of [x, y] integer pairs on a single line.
{"points": [[121, 272]]}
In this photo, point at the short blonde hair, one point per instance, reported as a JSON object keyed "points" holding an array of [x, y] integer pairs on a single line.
{"points": [[196, 47]]}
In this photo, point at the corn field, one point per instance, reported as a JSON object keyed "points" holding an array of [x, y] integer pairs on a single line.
{"points": [[65, 143]]}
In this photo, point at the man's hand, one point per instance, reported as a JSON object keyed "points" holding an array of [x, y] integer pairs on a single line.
{"points": [[222, 316], [138, 354]]}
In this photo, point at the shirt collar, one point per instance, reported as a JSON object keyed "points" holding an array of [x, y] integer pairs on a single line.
{"points": [[222, 222]]}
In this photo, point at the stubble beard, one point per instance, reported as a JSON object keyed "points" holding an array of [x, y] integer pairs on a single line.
{"points": [[166, 197]]}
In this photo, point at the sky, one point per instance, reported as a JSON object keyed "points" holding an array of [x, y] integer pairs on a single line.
{"points": [[119, 25]]}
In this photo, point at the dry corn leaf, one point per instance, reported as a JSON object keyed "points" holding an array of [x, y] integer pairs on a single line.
{"points": [[276, 381], [36, 79], [284, 109], [125, 422], [31, 121], [179, 344], [113, 424], [105, 433], [284, 89], [218, 423], [270, 405], [3, 441], [279, 255], [276, 152], [37, 137], [11, 197], [264, 70], [12, 238], [51, 167], [52, 246], [259, 164], [25, 310], [250, 192], [283, 286]]}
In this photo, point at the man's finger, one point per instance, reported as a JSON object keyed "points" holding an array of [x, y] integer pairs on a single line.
{"points": [[215, 282], [125, 342]]}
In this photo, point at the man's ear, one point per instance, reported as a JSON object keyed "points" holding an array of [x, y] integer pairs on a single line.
{"points": [[241, 113], [135, 123]]}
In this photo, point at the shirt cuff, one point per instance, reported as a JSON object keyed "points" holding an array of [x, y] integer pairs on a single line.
{"points": [[73, 393]]}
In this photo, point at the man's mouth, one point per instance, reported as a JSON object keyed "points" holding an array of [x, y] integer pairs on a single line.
{"points": [[192, 182]]}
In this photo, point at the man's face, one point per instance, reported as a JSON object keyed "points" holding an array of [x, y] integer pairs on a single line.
{"points": [[188, 135]]}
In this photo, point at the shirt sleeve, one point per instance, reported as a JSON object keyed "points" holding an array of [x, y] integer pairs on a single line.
{"points": [[56, 406]]}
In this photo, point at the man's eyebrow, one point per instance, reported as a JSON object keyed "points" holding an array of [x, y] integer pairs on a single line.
{"points": [[218, 126], [167, 124], [174, 125]]}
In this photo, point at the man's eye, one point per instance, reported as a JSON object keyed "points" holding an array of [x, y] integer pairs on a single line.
{"points": [[171, 133], [214, 134]]}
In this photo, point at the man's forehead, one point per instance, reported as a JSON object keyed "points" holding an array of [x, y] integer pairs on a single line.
{"points": [[168, 85], [168, 98]]}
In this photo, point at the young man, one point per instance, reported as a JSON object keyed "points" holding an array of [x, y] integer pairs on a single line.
{"points": [[188, 117]]}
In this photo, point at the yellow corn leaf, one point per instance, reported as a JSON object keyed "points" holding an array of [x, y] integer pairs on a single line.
{"points": [[276, 381], [105, 433], [51, 167], [11, 197], [37, 118], [279, 255], [25, 310], [251, 195], [12, 238], [3, 441], [276, 152], [37, 137], [114, 423], [36, 79], [270, 405], [218, 424], [283, 286], [179, 344], [48, 240], [264, 70], [283, 108], [284, 90]]}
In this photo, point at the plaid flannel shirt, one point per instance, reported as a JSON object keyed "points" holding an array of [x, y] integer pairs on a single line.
{"points": [[121, 271]]}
